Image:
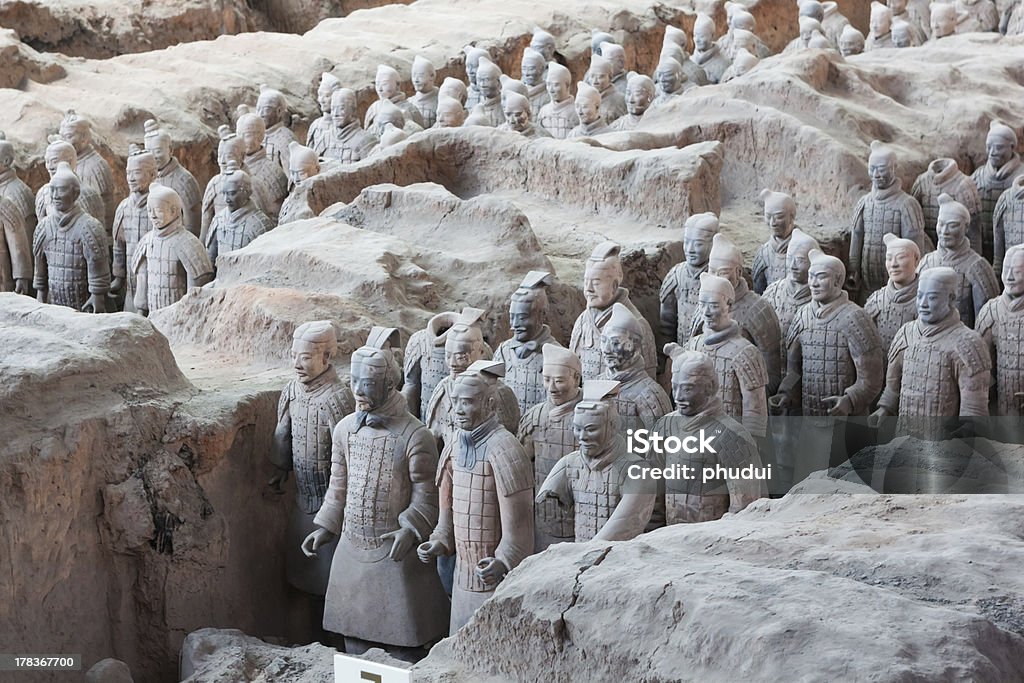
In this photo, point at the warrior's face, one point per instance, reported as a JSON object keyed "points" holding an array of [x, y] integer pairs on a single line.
{"points": [[951, 231], [667, 79], [369, 385], [703, 40], [797, 264], [450, 117], [883, 174], [935, 301], [343, 111], [386, 86], [64, 193], [160, 148], [472, 403], [517, 116], [532, 72], [901, 265], [600, 285], [545, 46], [691, 392], [422, 78], [825, 284], [139, 176], [999, 151], [236, 192], [459, 354], [77, 136], [588, 110], [489, 85], [593, 430], [55, 155], [600, 78], [1013, 274], [618, 349], [271, 111], [310, 361], [557, 87], [252, 136], [638, 99], [162, 213], [526, 320], [714, 310], [697, 247], [780, 222], [561, 383], [727, 269], [323, 98]]}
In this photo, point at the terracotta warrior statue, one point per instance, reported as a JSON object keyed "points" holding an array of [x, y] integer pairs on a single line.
{"points": [[613, 104], [473, 56], [699, 411], [347, 142], [681, 286], [901, 34], [588, 111], [486, 484], [532, 69], [944, 176], [706, 54], [915, 15], [978, 16], [671, 81], [425, 99], [522, 355], [455, 89], [89, 200], [170, 173], [450, 113], [601, 288], [851, 41], [996, 176], [880, 34], [511, 85], [742, 61], [230, 154], [380, 504], [546, 432], [273, 109], [640, 400], [320, 130], [389, 116], [131, 222], [943, 20], [388, 87], [938, 367], [14, 189], [787, 295], [770, 259], [303, 164], [1001, 326], [834, 22], [518, 116], [544, 43], [168, 261], [639, 96], [263, 169], [807, 9], [240, 221], [70, 251], [558, 116], [739, 366], [15, 250], [676, 50], [742, 22], [488, 83], [833, 349], [92, 169], [886, 208], [1008, 221], [616, 55], [597, 39], [894, 305]]}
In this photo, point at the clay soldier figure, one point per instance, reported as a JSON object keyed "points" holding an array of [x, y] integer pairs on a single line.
{"points": [[640, 400], [1001, 326], [978, 16], [851, 41], [381, 503], [15, 190], [473, 56], [168, 260], [425, 364], [131, 222], [834, 22], [170, 173], [455, 89], [742, 377], [310, 407], [976, 280], [996, 176], [522, 354], [389, 116], [588, 110], [486, 487], [787, 295], [240, 221], [15, 250], [706, 54], [230, 154], [901, 34], [742, 62], [639, 96], [388, 87], [262, 169], [425, 98], [1008, 221], [833, 349], [593, 482], [681, 287], [532, 69], [671, 81], [886, 208], [303, 164], [72, 261], [917, 28], [546, 432], [944, 176], [880, 24], [488, 82], [347, 142], [57, 152], [943, 20], [894, 305], [320, 129], [742, 22], [273, 108], [694, 74], [558, 116], [613, 104], [699, 409], [450, 113], [770, 259], [92, 169], [518, 117], [511, 85], [544, 43], [601, 288], [617, 56], [938, 367]]}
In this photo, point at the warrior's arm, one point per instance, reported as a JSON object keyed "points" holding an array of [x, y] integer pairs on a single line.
{"points": [[281, 448], [890, 400], [630, 517], [141, 294], [17, 246], [333, 510], [422, 514], [444, 532], [974, 392], [669, 297], [516, 512], [556, 485]]}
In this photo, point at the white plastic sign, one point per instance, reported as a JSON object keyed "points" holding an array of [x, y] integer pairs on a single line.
{"points": [[354, 670]]}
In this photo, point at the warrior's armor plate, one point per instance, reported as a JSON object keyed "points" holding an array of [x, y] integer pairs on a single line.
{"points": [[171, 258], [426, 105], [131, 222], [178, 178], [318, 133], [786, 297], [741, 372], [13, 188], [268, 173], [891, 308], [944, 177], [879, 212], [15, 248], [1008, 222], [213, 200], [350, 144], [94, 171], [525, 375], [538, 96], [71, 260], [769, 263], [558, 118], [1001, 326], [546, 434], [640, 401], [276, 142], [232, 230], [991, 183]]}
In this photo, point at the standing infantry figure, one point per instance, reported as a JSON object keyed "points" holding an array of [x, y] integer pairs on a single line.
{"points": [[1008, 221], [15, 250], [72, 262], [169, 260], [311, 405], [977, 281], [770, 259], [943, 20], [700, 415], [170, 173], [532, 69], [518, 116], [347, 142], [388, 87], [833, 349], [558, 116], [681, 286], [230, 153], [320, 130], [894, 305], [544, 43], [473, 55], [488, 83], [671, 81], [851, 41], [617, 56], [835, 23], [880, 25], [742, 379], [786, 296], [92, 169], [639, 95], [455, 89], [588, 110], [263, 170], [425, 98], [996, 176], [886, 208], [706, 54], [639, 400], [546, 433], [382, 501], [944, 177], [303, 164], [14, 189], [89, 200], [523, 353], [593, 482], [131, 222], [273, 108], [240, 221], [486, 517], [601, 280], [1001, 325]]}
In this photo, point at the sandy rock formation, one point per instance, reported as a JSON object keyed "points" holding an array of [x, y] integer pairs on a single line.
{"points": [[20, 63]]}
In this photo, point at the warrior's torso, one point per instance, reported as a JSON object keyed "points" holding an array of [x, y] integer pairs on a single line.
{"points": [[131, 222], [1001, 324], [770, 262], [786, 297], [558, 118], [76, 256], [932, 366], [318, 133], [177, 177], [269, 174], [235, 229], [686, 282], [549, 438], [596, 492], [426, 104], [890, 309], [524, 375], [887, 211], [349, 144], [640, 401], [171, 258], [739, 367], [276, 143], [828, 366]]}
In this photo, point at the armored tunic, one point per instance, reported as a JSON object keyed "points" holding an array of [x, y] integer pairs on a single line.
{"points": [[977, 280], [409, 111], [491, 111], [267, 172], [786, 297], [295, 207], [559, 118], [874, 42], [626, 122], [441, 416], [546, 434], [232, 230], [94, 171], [318, 134], [613, 104], [891, 308], [979, 16], [679, 294], [620, 81], [349, 144], [585, 340], [165, 263], [944, 176], [538, 96], [276, 142], [71, 258], [213, 200], [770, 263], [15, 248], [878, 212], [424, 367], [472, 96], [88, 200], [713, 62], [662, 98], [426, 105], [131, 222], [178, 178], [1001, 326], [742, 377], [641, 400], [1008, 222], [15, 190], [524, 368], [586, 129], [383, 478], [991, 183]]}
